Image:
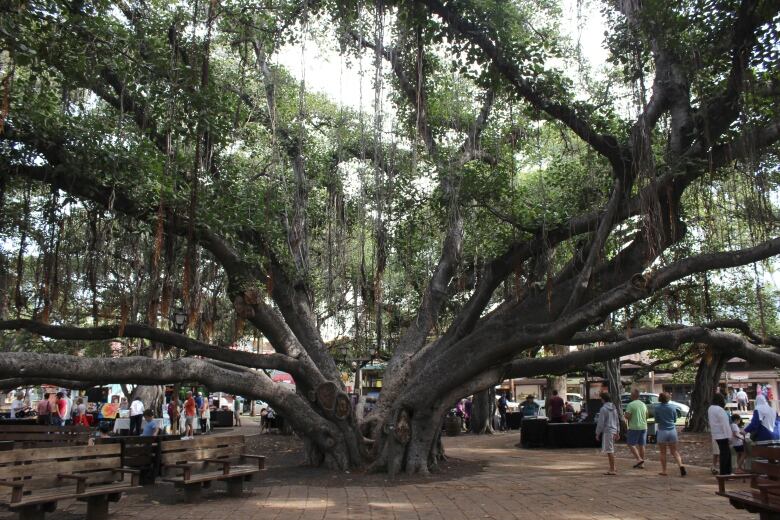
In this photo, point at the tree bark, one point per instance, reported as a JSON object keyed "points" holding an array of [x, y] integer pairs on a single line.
{"points": [[482, 409], [704, 388]]}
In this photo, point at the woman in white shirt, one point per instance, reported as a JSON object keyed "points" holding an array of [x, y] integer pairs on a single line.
{"points": [[720, 429]]}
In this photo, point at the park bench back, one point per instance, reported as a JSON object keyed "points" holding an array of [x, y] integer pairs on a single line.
{"points": [[38, 468], [32, 436], [763, 497], [142, 453], [201, 448]]}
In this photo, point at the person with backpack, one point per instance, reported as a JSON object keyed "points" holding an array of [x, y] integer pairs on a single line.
{"points": [[174, 414]]}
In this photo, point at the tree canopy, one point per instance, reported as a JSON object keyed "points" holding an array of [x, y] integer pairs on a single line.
{"points": [[500, 195]]}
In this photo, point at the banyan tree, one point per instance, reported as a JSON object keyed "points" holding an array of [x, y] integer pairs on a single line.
{"points": [[491, 193]]}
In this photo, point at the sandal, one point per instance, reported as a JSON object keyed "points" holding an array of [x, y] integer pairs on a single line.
{"points": [[611, 473], [664, 474], [682, 471], [639, 465]]}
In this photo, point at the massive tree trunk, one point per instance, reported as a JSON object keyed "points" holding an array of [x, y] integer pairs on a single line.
{"points": [[483, 407], [704, 388]]}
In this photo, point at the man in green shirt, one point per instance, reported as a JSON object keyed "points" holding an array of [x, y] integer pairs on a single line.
{"points": [[636, 437]]}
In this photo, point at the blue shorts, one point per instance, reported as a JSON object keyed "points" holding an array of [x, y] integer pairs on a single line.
{"points": [[636, 437], [666, 437]]}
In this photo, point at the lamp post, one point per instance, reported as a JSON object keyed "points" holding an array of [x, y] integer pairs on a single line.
{"points": [[178, 320]]}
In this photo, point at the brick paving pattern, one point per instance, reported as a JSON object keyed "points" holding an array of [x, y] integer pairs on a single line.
{"points": [[512, 484]]}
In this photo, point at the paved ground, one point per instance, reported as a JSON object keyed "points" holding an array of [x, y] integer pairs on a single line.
{"points": [[496, 480]]}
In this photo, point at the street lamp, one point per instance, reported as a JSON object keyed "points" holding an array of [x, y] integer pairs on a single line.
{"points": [[178, 320]]}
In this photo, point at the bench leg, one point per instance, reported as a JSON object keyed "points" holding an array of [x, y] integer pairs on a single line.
{"points": [[31, 513], [97, 507], [235, 487], [192, 493]]}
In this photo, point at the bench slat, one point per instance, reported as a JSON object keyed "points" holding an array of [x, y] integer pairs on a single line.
{"points": [[40, 454], [201, 442], [35, 428], [201, 453], [49, 468]]}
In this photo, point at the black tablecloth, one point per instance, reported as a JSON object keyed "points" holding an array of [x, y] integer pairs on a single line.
{"points": [[221, 419], [513, 420], [539, 433], [533, 432], [571, 435]]}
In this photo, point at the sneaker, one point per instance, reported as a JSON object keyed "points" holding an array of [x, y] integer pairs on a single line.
{"points": [[714, 470]]}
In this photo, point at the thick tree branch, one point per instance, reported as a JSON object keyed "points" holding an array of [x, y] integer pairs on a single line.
{"points": [[191, 346], [461, 27]]}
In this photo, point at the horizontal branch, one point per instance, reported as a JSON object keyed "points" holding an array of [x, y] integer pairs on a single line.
{"points": [[27, 366], [191, 346]]}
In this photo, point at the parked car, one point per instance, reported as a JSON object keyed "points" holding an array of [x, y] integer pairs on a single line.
{"points": [[576, 401], [651, 400]]}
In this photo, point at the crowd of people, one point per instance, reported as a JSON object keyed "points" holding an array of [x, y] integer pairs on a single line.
{"points": [[634, 420]]}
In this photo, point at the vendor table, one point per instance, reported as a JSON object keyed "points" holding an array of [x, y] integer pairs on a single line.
{"points": [[513, 420], [533, 432], [539, 433], [222, 419], [571, 435]]}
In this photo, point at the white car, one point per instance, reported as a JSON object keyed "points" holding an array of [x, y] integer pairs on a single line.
{"points": [[576, 401]]}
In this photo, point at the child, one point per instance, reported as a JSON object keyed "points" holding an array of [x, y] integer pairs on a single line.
{"points": [[738, 440], [607, 430]]}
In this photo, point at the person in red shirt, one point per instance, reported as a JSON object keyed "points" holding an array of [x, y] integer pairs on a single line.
{"points": [[189, 415], [61, 410], [554, 408]]}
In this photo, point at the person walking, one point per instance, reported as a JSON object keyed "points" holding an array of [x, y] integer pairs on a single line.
{"points": [[205, 412], [742, 400], [608, 430], [237, 409], [136, 416], [555, 408], [666, 434], [502, 406], [174, 414], [720, 430], [763, 426], [81, 413], [68, 418], [636, 436], [43, 410], [189, 416]]}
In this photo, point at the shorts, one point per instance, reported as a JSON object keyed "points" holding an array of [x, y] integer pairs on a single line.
{"points": [[607, 442], [189, 421], [666, 437], [636, 437], [739, 449]]}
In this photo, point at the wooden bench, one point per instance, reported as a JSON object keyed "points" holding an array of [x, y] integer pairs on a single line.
{"points": [[35, 436], [189, 463], [32, 481], [141, 453], [763, 496]]}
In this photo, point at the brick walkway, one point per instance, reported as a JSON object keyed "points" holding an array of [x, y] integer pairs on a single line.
{"points": [[513, 484]]}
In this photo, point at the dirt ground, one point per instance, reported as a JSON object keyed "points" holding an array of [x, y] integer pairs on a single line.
{"points": [[284, 455]]}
